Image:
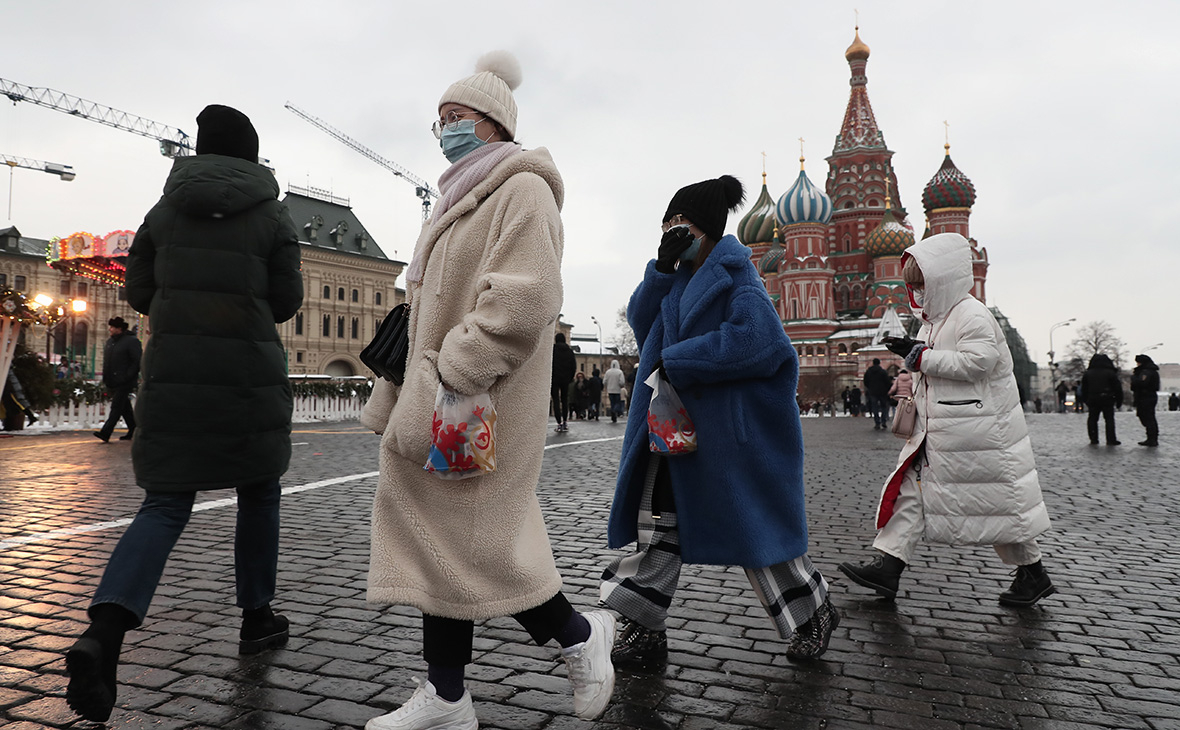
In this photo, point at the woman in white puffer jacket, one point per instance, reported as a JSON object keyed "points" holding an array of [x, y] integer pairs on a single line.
{"points": [[967, 474]]}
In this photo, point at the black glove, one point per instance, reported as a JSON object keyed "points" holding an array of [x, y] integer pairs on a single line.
{"points": [[899, 346], [674, 242]]}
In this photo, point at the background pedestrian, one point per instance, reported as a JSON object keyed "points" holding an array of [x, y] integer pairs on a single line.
{"points": [[1145, 385], [1103, 393], [565, 365], [120, 374]]}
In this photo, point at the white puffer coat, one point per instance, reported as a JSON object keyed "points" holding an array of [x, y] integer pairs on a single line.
{"points": [[979, 480]]}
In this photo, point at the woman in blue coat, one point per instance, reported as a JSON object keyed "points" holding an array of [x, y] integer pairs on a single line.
{"points": [[706, 323]]}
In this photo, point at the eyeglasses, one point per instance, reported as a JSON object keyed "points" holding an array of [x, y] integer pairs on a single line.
{"points": [[676, 220], [451, 122]]}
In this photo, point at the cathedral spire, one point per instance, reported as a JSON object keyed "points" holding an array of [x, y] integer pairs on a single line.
{"points": [[859, 130]]}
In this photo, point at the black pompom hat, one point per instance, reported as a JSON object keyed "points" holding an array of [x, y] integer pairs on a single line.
{"points": [[708, 204], [223, 130]]}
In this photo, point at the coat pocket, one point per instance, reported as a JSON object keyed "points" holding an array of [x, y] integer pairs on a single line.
{"points": [[740, 428], [967, 402], [413, 413]]}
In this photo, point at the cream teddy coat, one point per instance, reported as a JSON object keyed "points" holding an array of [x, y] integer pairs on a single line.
{"points": [[482, 319]]}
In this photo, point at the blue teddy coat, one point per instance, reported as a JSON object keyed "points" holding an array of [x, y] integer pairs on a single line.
{"points": [[739, 497]]}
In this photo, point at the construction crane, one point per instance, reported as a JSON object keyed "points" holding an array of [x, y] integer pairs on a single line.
{"points": [[173, 142], [422, 189], [65, 172]]}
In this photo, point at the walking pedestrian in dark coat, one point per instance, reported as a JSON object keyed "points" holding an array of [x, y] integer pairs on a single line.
{"points": [[854, 400], [1103, 392], [594, 391], [565, 364], [215, 265], [1145, 385], [120, 374], [877, 384]]}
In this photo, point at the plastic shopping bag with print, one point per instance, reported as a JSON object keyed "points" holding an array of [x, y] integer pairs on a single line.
{"points": [[463, 436], [669, 427]]}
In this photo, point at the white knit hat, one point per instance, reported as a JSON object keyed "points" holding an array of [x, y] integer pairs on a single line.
{"points": [[489, 91]]}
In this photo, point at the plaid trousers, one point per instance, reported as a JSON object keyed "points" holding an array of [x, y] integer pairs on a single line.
{"points": [[640, 586]]}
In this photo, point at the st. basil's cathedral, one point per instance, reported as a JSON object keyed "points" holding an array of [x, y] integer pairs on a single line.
{"points": [[831, 258]]}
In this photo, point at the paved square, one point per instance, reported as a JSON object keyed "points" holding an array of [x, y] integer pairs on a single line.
{"points": [[1102, 653]]}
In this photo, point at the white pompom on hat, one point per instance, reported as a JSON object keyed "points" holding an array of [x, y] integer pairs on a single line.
{"points": [[489, 91]]}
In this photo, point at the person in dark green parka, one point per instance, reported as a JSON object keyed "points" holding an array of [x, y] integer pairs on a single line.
{"points": [[215, 266]]}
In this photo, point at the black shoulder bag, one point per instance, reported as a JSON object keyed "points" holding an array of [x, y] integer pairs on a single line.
{"points": [[386, 355]]}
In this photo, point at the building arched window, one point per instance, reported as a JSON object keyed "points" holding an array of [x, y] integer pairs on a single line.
{"points": [[327, 292], [377, 299], [299, 323], [356, 295], [327, 326], [340, 327], [810, 351], [842, 351], [340, 294], [356, 327], [844, 297]]}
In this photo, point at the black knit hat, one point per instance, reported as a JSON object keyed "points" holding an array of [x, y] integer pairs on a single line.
{"points": [[707, 204], [223, 130]]}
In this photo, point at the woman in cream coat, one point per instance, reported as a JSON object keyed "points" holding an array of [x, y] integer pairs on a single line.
{"points": [[966, 475], [485, 290]]}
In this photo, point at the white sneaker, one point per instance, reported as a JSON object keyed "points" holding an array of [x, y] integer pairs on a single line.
{"points": [[425, 710], [590, 670]]}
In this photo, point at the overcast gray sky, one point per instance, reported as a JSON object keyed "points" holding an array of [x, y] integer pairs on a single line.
{"points": [[1062, 114]]}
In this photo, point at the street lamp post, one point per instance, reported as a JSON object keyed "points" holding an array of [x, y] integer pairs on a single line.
{"points": [[1052, 364], [77, 307], [599, 326], [1149, 348]]}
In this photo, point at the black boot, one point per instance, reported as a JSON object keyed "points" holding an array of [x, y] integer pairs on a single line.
{"points": [[1150, 442], [1031, 585], [32, 417], [881, 573], [262, 629], [811, 639], [92, 663], [127, 436], [637, 647]]}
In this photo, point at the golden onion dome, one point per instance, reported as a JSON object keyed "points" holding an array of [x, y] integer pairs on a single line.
{"points": [[858, 50]]}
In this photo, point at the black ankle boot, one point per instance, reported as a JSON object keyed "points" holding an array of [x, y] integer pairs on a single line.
{"points": [[881, 573], [1031, 585], [92, 663], [262, 629], [638, 647]]}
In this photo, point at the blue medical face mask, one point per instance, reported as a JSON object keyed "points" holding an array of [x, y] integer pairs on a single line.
{"points": [[690, 253], [459, 139]]}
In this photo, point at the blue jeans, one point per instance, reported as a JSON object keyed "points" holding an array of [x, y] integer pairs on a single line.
{"points": [[879, 407], [135, 567], [616, 404]]}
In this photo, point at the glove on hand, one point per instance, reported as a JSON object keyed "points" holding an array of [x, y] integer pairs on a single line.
{"points": [[659, 366], [900, 346], [674, 242], [913, 361]]}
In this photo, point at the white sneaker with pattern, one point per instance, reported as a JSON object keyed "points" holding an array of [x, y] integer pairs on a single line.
{"points": [[425, 710], [590, 670]]}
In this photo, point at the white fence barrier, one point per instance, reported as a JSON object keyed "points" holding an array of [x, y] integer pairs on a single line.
{"points": [[307, 410]]}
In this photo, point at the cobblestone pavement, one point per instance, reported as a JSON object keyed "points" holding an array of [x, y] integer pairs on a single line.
{"points": [[1102, 653]]}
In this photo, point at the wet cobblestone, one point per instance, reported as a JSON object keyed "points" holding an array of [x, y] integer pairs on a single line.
{"points": [[1102, 653]]}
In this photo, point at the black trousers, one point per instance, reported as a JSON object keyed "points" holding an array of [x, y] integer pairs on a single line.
{"points": [[561, 402], [1107, 412], [1146, 413], [120, 408], [447, 641]]}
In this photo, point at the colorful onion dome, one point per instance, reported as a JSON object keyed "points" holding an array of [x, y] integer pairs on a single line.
{"points": [[757, 226], [858, 50], [804, 203], [949, 188], [889, 238], [772, 258]]}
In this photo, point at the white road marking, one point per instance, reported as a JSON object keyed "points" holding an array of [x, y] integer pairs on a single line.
{"points": [[212, 504]]}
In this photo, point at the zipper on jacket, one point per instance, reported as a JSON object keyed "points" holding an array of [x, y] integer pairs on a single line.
{"points": [[974, 401]]}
